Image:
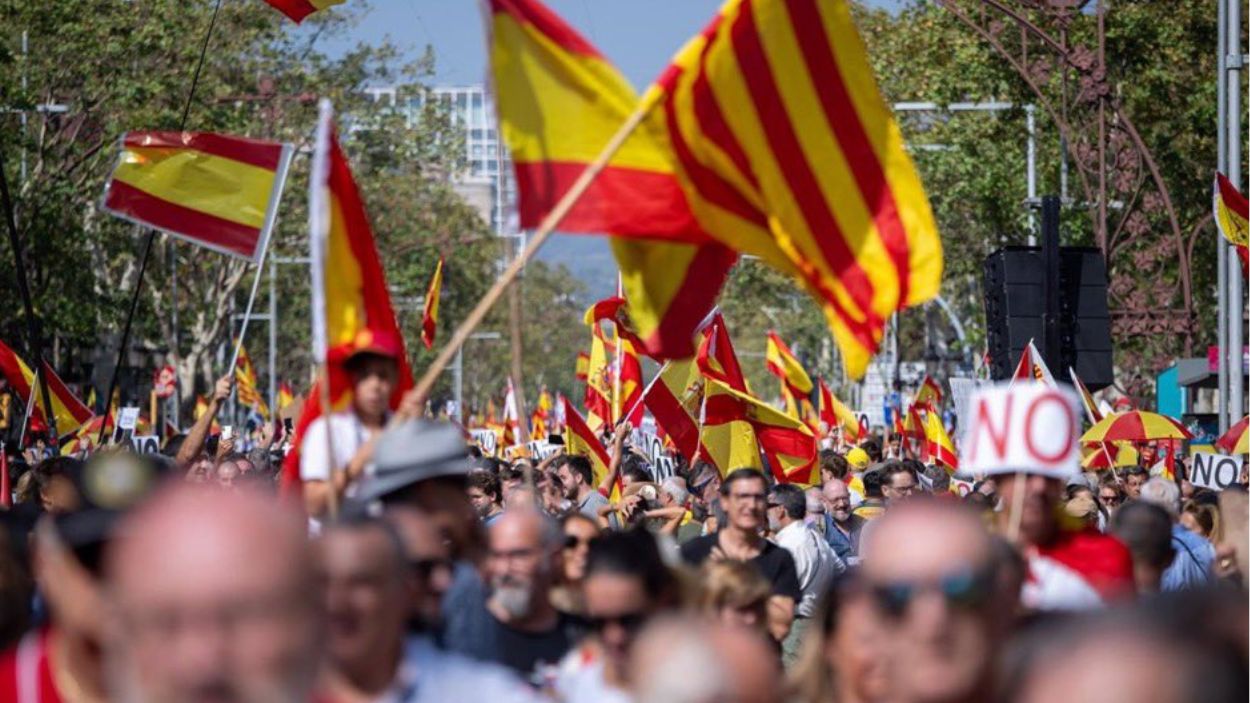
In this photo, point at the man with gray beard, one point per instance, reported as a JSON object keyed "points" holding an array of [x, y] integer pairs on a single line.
{"points": [[517, 625]]}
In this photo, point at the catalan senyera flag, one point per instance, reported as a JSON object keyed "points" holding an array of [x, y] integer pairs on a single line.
{"points": [[834, 413], [1232, 217], [246, 384], [351, 306], [297, 10], [938, 445], [737, 426], [214, 190], [547, 77], [787, 151], [69, 411], [1032, 367], [429, 318]]}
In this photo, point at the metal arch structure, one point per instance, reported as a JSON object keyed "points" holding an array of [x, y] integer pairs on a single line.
{"points": [[1133, 217]]}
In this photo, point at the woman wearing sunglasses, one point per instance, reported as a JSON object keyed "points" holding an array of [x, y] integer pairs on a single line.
{"points": [[578, 531]]}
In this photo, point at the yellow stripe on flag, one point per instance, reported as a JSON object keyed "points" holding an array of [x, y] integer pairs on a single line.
{"points": [[215, 185]]}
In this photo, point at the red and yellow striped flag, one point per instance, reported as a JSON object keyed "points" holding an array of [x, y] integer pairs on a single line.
{"points": [[246, 384], [716, 357], [351, 306], [787, 151], [579, 439], [929, 393], [599, 381], [286, 395], [297, 10], [796, 385], [217, 191], [674, 399], [69, 411], [1232, 217], [835, 414], [738, 427], [938, 445], [548, 77], [429, 318]]}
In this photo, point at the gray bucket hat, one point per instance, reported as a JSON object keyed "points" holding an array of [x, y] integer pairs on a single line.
{"points": [[415, 451]]}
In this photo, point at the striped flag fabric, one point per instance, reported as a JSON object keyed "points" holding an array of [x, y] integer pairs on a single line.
{"points": [[351, 306], [1032, 367], [1232, 217], [835, 414], [737, 428], [582, 366], [674, 398], [671, 271], [716, 357], [297, 10], [1092, 412], [246, 385], [938, 445], [599, 380], [216, 191], [787, 151], [429, 317], [579, 439], [929, 393], [286, 395], [782, 363], [70, 412]]}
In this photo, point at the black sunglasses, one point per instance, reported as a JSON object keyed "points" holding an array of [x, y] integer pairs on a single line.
{"points": [[967, 589], [571, 541], [425, 567], [630, 622]]}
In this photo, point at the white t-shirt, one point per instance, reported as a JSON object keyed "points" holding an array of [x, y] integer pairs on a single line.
{"points": [[348, 434]]}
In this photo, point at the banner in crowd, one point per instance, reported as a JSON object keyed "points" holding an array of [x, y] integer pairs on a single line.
{"points": [[1022, 426], [1214, 471]]}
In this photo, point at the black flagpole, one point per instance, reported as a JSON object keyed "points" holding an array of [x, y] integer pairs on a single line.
{"points": [[32, 327], [151, 239]]}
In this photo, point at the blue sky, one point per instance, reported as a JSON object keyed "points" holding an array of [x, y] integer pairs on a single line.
{"points": [[639, 35]]}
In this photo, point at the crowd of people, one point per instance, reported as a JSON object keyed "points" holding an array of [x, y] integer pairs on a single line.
{"points": [[417, 569]]}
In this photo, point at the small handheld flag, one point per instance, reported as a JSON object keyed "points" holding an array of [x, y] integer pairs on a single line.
{"points": [[429, 319]]}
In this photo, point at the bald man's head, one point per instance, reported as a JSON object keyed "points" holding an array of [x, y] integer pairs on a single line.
{"points": [[213, 600]]}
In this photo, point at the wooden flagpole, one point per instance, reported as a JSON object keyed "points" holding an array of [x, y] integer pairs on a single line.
{"points": [[548, 225]]}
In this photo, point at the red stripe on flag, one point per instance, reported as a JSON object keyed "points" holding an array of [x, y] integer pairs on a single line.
{"points": [[700, 285], [546, 22], [657, 204], [266, 155], [711, 119], [162, 214], [671, 416], [297, 10], [779, 132], [77, 409], [844, 121]]}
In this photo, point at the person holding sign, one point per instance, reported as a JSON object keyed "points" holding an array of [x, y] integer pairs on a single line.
{"points": [[1025, 435]]}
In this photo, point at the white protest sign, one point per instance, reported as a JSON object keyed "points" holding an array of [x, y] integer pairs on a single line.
{"points": [[541, 449], [127, 418], [146, 444], [1021, 427], [652, 447], [1214, 471], [961, 394], [486, 440]]}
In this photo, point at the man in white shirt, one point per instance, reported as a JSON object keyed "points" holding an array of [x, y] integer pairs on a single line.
{"points": [[374, 369], [814, 560]]}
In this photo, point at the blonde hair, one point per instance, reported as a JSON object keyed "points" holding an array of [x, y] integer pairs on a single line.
{"points": [[734, 584], [1208, 516]]}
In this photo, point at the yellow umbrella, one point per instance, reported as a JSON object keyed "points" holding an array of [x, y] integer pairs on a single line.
{"points": [[1135, 426], [1105, 456], [1236, 440]]}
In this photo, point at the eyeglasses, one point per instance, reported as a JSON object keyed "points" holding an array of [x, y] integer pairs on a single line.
{"points": [[1110, 500], [630, 622], [966, 589]]}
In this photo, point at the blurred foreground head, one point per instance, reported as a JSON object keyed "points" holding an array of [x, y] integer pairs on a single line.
{"points": [[212, 600], [691, 660]]}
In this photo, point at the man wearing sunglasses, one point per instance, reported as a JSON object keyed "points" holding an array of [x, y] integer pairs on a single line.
{"points": [[931, 573]]}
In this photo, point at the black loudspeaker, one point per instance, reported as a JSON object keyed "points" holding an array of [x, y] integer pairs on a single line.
{"points": [[1014, 303]]}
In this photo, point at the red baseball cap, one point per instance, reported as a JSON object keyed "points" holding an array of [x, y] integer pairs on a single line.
{"points": [[378, 343]]}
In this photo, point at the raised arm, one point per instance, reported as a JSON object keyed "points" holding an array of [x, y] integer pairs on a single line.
{"points": [[198, 435]]}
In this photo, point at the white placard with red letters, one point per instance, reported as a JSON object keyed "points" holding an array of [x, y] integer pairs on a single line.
{"points": [[1021, 427]]}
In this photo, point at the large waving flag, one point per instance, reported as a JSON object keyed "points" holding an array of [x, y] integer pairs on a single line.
{"points": [[297, 10], [787, 151], [351, 306], [429, 317], [1232, 217], [674, 399], [737, 426], [548, 77], [69, 411], [213, 190], [246, 384]]}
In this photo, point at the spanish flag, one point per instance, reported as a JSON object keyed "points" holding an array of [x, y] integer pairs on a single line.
{"points": [[929, 394], [796, 385], [246, 384], [213, 190], [286, 395], [69, 411], [351, 306], [201, 407], [835, 414], [1032, 367], [674, 398], [716, 357], [579, 439], [599, 380], [1232, 217], [429, 318], [737, 428], [787, 151], [581, 370], [548, 77], [938, 445], [297, 10]]}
